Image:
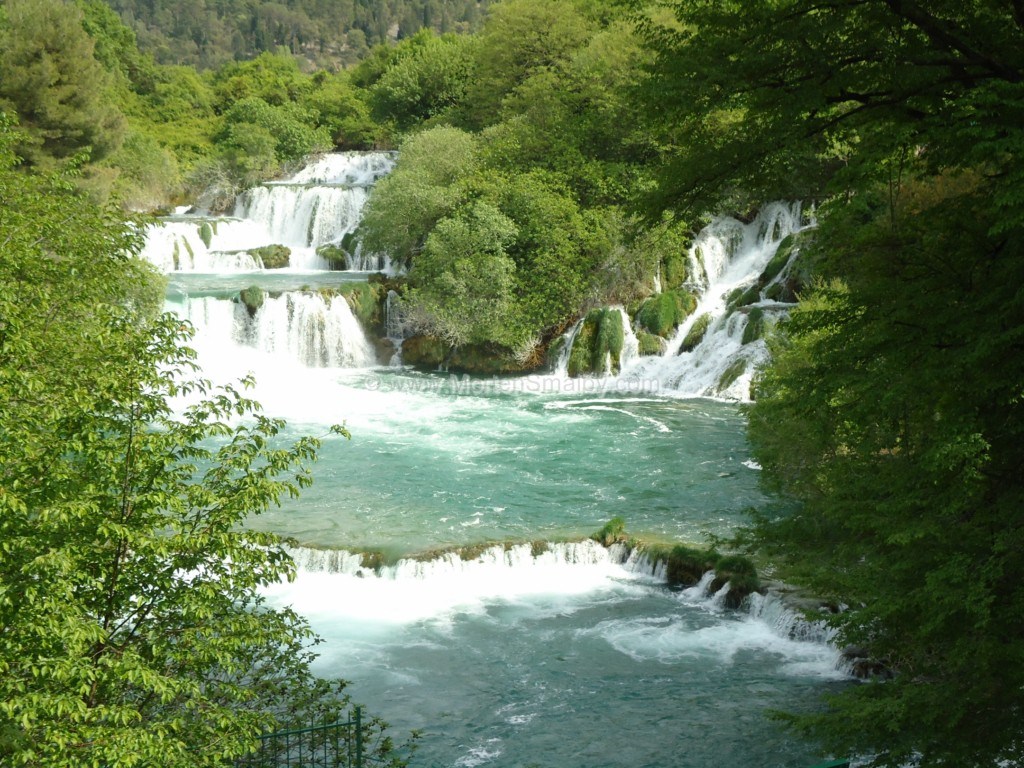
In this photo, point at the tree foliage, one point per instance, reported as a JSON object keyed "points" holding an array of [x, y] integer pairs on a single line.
{"points": [[890, 414], [52, 81], [133, 630]]}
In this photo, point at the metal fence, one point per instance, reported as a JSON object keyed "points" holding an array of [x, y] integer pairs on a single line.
{"points": [[335, 745]]}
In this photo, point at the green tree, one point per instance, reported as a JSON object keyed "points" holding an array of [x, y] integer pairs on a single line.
{"points": [[891, 412], [51, 81], [421, 191], [133, 628], [428, 77], [522, 38], [462, 283]]}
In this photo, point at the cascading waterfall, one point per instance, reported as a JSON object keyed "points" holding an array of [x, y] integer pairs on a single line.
{"points": [[414, 589], [500, 654], [317, 206], [308, 328], [726, 255]]}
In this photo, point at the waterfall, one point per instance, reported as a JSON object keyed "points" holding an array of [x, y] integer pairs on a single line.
{"points": [[414, 589], [725, 256], [562, 363], [308, 328], [317, 206]]}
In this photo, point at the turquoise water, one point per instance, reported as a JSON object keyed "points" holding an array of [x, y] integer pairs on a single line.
{"points": [[437, 461]]}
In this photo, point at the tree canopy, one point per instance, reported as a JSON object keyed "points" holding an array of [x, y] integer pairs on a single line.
{"points": [[890, 413], [133, 629]]}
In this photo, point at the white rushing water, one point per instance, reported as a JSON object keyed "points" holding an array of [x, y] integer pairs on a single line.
{"points": [[319, 205], [726, 255]]}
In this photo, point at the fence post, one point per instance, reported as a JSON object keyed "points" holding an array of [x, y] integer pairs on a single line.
{"points": [[359, 737]]}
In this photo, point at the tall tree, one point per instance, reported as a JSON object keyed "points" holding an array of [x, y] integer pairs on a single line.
{"points": [[891, 413], [59, 91], [132, 631]]}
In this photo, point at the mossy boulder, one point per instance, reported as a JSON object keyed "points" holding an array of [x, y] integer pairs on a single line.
{"points": [[649, 344], [741, 576], [334, 255], [742, 297], [673, 270], [253, 298], [424, 351], [432, 352], [206, 231], [491, 360], [685, 566], [754, 329], [696, 333], [779, 260], [661, 314], [273, 256], [367, 300], [611, 532], [736, 369], [598, 343]]}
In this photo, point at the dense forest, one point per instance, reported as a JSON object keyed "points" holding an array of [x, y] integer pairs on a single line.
{"points": [[322, 33], [554, 159]]}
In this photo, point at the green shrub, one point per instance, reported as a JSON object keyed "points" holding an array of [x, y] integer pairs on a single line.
{"points": [[613, 531], [253, 298], [206, 233]]}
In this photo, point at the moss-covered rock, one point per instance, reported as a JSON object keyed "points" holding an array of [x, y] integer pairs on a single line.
{"points": [[649, 344], [598, 343], [367, 300], [253, 298], [779, 260], [736, 369], [696, 333], [334, 255], [673, 270], [611, 532], [661, 314], [741, 297], [424, 351], [581, 354], [492, 360], [273, 256], [206, 233], [754, 329], [685, 566], [741, 576]]}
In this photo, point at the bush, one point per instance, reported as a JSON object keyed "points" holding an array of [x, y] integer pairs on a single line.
{"points": [[611, 532]]}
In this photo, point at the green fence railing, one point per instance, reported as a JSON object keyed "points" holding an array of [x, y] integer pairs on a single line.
{"points": [[333, 745]]}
